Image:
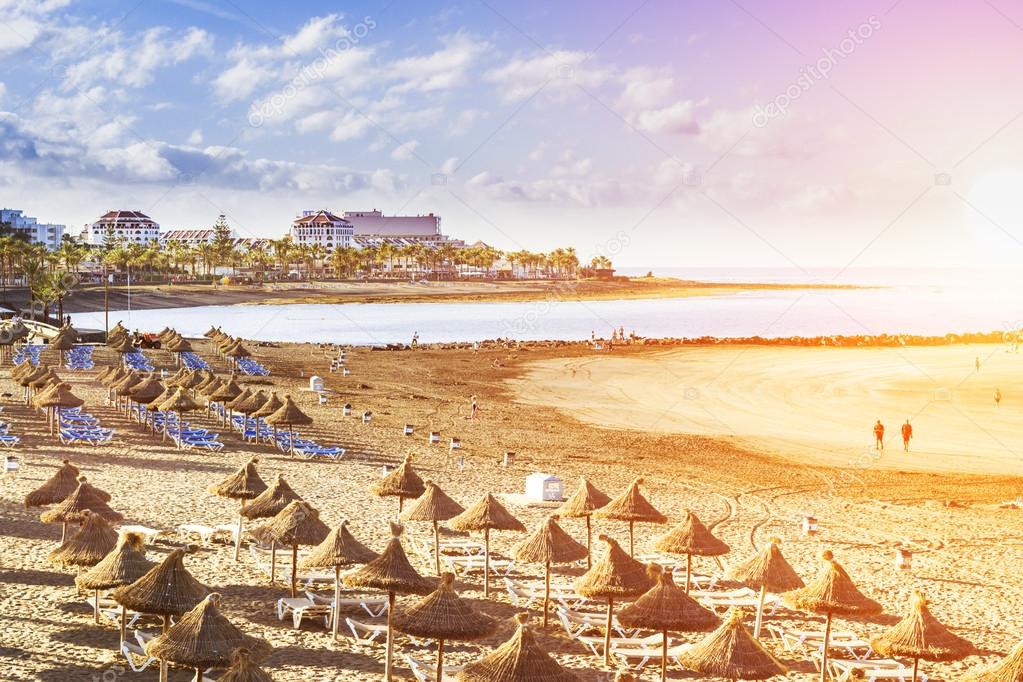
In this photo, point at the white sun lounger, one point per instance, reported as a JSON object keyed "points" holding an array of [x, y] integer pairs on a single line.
{"points": [[111, 610], [843, 670], [206, 533], [367, 633], [134, 649], [522, 595], [578, 623], [646, 654], [595, 643], [301, 608], [424, 672], [150, 534], [375, 606], [810, 642]]}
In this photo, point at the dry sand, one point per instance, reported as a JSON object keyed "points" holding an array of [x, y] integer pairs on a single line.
{"points": [[967, 554]]}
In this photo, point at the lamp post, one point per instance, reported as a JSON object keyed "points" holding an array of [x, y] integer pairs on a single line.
{"points": [[106, 305]]}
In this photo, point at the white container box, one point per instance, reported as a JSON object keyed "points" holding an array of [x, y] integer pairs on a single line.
{"points": [[544, 488]]}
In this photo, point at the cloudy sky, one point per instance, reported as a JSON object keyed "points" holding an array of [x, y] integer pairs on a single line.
{"points": [[659, 132]]}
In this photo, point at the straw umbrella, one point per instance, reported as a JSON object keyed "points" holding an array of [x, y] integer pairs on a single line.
{"points": [[154, 406], [166, 590], [664, 607], [548, 544], [616, 575], [59, 398], [767, 571], [89, 545], [831, 592], [733, 653], [433, 505], [123, 565], [244, 484], [268, 504], [56, 487], [272, 404], [233, 404], [443, 615], [178, 346], [297, 524], [631, 506], [243, 669], [146, 392], [690, 537], [338, 549], [60, 343], [253, 402], [225, 393], [584, 501], [1009, 669], [403, 483], [289, 414], [211, 332], [203, 638], [520, 659], [85, 497], [179, 402], [919, 635], [390, 572], [486, 515]]}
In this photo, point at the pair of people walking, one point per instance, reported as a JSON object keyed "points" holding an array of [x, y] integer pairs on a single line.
{"points": [[907, 435]]}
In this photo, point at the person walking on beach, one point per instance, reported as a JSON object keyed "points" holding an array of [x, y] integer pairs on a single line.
{"points": [[474, 408], [976, 362], [415, 340], [879, 435], [907, 433], [998, 397]]}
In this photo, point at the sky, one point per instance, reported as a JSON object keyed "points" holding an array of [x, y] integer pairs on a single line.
{"points": [[752, 133]]}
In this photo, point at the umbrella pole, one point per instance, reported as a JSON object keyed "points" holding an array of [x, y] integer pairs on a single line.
{"points": [[273, 561], [607, 632], [664, 655], [760, 611], [916, 664], [238, 537], [124, 622], [63, 531], [198, 675], [440, 660], [337, 600], [486, 564], [95, 607], [163, 663], [631, 525], [689, 570], [294, 567], [589, 562], [390, 637], [436, 545], [824, 651], [546, 593], [291, 444]]}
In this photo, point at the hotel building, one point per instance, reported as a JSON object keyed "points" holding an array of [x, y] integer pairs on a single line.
{"points": [[127, 226], [42, 233], [323, 228]]}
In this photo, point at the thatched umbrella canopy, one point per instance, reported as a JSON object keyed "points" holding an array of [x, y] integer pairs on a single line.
{"points": [[297, 524], [690, 537], [486, 515], [211, 332], [166, 590], [56, 487], [631, 506], [147, 391], [268, 504], [123, 565], [584, 501], [88, 546], [548, 544], [55, 400], [100, 375], [62, 342], [919, 635], [244, 484], [125, 384], [831, 592], [237, 350], [520, 659], [225, 393], [272, 404], [390, 572], [72, 508], [191, 379], [433, 505], [233, 404], [113, 376], [767, 571], [179, 402], [733, 653], [616, 575], [289, 414], [666, 607], [122, 346], [244, 669], [443, 615], [1009, 669], [403, 483], [204, 638], [209, 379], [179, 345], [338, 549]]}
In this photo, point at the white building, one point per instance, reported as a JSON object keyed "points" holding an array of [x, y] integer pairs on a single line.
{"points": [[43, 233], [192, 238], [323, 228], [127, 226], [374, 223]]}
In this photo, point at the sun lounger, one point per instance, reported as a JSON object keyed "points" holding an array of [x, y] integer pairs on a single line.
{"points": [[367, 633], [206, 533], [300, 608], [809, 642], [522, 595], [9, 441], [150, 534], [595, 643], [742, 597], [375, 606], [424, 672], [843, 670], [578, 623], [648, 653], [465, 564], [134, 649]]}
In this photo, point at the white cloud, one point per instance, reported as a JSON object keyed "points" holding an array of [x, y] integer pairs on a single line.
{"points": [[557, 72], [3, 90], [241, 80], [645, 88], [538, 152], [462, 123], [195, 139], [406, 151], [442, 70], [26, 22], [449, 166], [677, 119], [121, 60]]}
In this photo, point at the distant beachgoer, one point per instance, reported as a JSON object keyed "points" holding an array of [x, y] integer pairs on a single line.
{"points": [[475, 347], [879, 435], [998, 397], [415, 340], [907, 433], [976, 362], [474, 409], [593, 336]]}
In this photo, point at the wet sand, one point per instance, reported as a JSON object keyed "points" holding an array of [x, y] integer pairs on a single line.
{"points": [[966, 558]]}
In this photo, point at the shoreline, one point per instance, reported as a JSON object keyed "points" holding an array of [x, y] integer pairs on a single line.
{"points": [[89, 298]]}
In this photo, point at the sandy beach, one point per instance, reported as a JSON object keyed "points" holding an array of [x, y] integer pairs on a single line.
{"points": [[569, 412]]}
